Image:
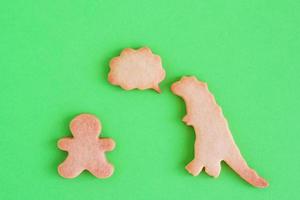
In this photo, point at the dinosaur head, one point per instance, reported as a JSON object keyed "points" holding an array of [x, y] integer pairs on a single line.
{"points": [[187, 85]]}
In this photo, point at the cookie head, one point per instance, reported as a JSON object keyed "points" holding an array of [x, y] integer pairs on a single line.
{"points": [[85, 125], [187, 85]]}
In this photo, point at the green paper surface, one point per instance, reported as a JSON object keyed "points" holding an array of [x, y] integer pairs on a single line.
{"points": [[54, 59]]}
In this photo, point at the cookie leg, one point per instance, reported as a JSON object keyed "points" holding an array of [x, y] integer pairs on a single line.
{"points": [[102, 170], [194, 167], [69, 168], [213, 170]]}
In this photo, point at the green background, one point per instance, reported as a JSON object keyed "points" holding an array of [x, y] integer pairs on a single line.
{"points": [[54, 62]]}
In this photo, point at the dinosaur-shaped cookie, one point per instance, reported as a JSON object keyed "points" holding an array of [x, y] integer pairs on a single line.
{"points": [[86, 150], [214, 142]]}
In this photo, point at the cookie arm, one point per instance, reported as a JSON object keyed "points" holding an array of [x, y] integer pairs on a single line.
{"points": [[64, 143], [107, 144]]}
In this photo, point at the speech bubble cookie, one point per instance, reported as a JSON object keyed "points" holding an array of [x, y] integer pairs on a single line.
{"points": [[86, 150], [136, 69], [214, 142]]}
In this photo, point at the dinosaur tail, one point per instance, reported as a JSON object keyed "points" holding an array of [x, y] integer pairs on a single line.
{"points": [[236, 161]]}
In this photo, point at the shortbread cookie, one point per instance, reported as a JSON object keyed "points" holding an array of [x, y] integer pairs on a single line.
{"points": [[86, 150], [136, 69], [214, 142]]}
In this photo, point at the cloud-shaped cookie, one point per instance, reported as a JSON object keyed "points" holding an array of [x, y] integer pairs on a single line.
{"points": [[136, 69]]}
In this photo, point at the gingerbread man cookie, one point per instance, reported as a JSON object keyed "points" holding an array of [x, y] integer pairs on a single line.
{"points": [[86, 150], [214, 142]]}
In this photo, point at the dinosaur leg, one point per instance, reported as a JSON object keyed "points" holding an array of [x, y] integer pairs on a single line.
{"points": [[213, 169], [196, 165]]}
